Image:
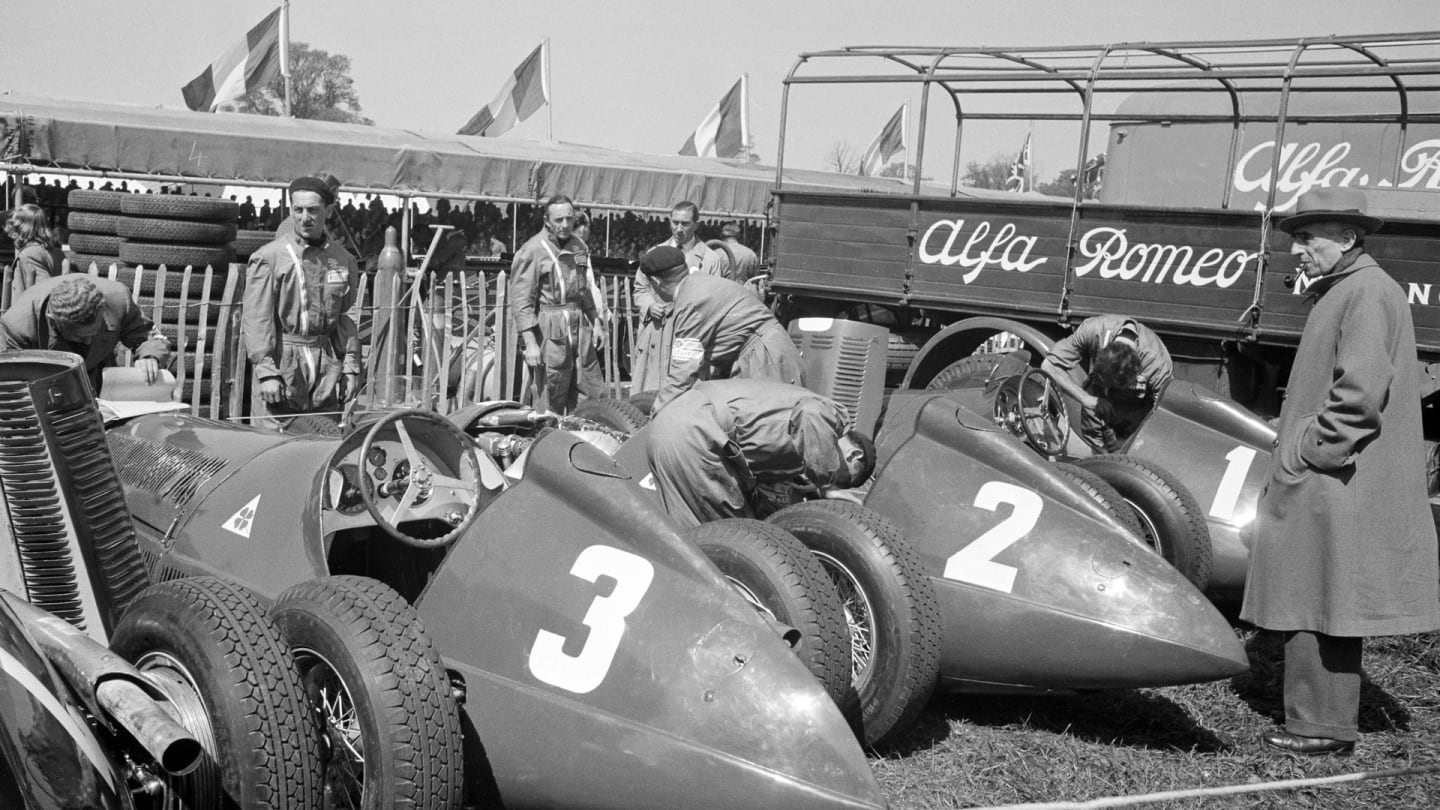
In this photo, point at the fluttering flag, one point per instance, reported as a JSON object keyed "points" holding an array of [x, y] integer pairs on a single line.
{"points": [[725, 130], [892, 139], [249, 64], [526, 91], [1019, 178]]}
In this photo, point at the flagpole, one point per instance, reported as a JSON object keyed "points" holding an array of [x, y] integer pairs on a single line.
{"points": [[285, 51], [549, 88], [745, 113]]}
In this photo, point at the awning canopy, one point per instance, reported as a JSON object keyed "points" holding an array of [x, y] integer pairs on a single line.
{"points": [[48, 134]]}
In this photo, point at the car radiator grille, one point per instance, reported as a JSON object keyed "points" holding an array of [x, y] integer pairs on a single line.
{"points": [[74, 542]]}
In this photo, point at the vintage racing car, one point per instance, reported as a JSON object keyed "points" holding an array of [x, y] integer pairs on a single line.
{"points": [[1036, 585], [537, 636], [195, 703], [1193, 472]]}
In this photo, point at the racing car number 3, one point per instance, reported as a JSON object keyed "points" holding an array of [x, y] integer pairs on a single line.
{"points": [[582, 672]]}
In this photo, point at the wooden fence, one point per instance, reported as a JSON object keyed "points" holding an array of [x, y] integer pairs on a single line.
{"points": [[452, 354]]}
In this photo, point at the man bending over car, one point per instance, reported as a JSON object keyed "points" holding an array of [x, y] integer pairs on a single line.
{"points": [[718, 442], [1116, 368]]}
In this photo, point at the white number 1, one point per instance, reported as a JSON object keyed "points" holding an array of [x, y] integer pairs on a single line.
{"points": [[975, 563], [582, 672], [1228, 494]]}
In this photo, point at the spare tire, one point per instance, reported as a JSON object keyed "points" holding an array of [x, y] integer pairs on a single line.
{"points": [[1171, 519], [890, 606], [612, 413], [171, 206], [81, 262], [94, 243], [177, 256], [83, 222], [209, 647], [247, 242], [175, 230], [967, 372], [108, 202]]}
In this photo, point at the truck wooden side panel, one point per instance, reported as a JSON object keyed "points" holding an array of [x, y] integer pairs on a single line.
{"points": [[1188, 271]]}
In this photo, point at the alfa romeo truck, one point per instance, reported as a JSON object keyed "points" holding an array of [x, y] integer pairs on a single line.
{"points": [[1186, 155]]}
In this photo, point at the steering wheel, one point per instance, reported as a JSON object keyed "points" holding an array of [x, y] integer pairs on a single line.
{"points": [[419, 486], [1031, 407]]}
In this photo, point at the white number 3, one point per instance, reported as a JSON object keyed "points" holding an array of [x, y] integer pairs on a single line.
{"points": [[582, 672], [975, 563]]}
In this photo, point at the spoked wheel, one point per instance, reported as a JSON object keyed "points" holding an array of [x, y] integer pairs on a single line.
{"points": [[343, 738], [859, 618], [208, 646], [776, 574], [891, 609], [376, 683]]}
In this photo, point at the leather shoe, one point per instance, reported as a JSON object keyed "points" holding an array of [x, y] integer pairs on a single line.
{"points": [[1309, 746]]}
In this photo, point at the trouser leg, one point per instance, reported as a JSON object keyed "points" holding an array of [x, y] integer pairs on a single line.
{"points": [[1322, 685], [695, 484]]}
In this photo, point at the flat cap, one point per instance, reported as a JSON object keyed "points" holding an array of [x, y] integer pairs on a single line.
{"points": [[661, 260]]}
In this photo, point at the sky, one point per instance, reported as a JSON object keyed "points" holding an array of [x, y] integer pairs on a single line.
{"points": [[631, 75]]}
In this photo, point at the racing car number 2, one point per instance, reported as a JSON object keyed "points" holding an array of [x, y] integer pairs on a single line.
{"points": [[582, 672], [975, 563]]}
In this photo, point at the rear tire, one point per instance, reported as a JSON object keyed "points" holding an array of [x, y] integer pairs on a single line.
{"points": [[380, 692], [1108, 496], [890, 606], [1171, 519], [967, 372], [612, 413], [210, 648]]}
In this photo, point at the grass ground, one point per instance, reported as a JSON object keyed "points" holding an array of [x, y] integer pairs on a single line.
{"points": [[978, 751]]}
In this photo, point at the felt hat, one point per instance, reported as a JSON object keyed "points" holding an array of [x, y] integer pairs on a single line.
{"points": [[1340, 204]]}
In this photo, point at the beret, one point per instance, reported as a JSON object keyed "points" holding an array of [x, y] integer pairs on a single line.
{"points": [[662, 259], [315, 184], [75, 299]]}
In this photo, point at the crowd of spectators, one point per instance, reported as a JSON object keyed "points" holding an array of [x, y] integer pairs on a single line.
{"points": [[490, 229]]}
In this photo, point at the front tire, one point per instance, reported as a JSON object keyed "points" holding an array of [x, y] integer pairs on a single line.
{"points": [[1171, 519], [381, 693], [1106, 495], [890, 606], [209, 647], [616, 414]]}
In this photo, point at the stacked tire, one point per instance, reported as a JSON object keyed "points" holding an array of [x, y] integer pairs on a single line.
{"points": [[93, 223], [141, 233]]}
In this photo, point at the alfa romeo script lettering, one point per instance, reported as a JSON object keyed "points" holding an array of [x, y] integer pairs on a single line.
{"points": [[1106, 251], [1304, 166]]}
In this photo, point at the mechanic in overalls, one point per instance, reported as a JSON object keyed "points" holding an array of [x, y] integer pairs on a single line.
{"points": [[552, 307], [721, 329], [722, 440], [1117, 369], [299, 317]]}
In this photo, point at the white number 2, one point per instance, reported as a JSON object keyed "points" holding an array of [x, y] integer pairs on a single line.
{"points": [[1228, 493], [582, 672], [975, 563]]}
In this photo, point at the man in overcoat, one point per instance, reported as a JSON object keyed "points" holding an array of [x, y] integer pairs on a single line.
{"points": [[1344, 545]]}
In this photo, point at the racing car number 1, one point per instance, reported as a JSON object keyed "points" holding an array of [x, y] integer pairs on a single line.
{"points": [[582, 672]]}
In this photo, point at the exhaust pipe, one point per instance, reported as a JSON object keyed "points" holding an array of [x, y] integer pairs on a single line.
{"points": [[111, 688]]}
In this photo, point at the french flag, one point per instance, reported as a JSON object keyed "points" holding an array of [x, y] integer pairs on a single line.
{"points": [[524, 93], [251, 63], [724, 133]]}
